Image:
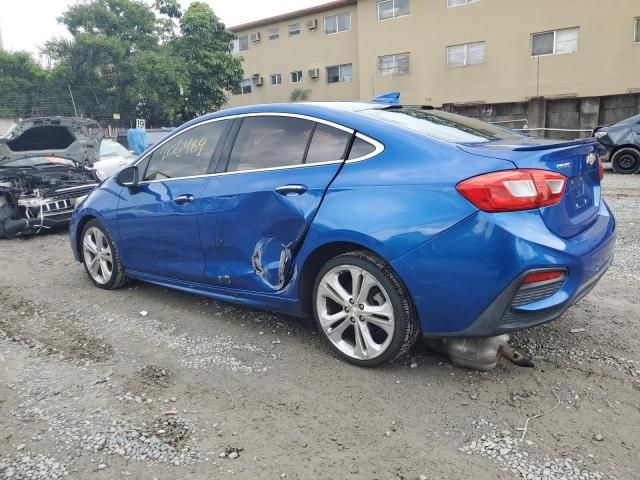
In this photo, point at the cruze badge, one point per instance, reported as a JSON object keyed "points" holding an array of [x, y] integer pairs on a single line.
{"points": [[591, 158]]}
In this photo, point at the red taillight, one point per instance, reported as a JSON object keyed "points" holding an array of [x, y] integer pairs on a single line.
{"points": [[538, 277], [512, 190], [600, 167]]}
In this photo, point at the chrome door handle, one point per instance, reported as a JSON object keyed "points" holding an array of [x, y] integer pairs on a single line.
{"points": [[290, 190], [183, 199]]}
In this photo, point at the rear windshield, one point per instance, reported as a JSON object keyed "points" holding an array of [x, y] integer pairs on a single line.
{"points": [[442, 125]]}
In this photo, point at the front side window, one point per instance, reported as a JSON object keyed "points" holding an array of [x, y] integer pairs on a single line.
{"points": [[467, 54], [337, 23], [398, 64], [269, 142], [328, 144], [294, 30], [188, 154], [555, 42], [274, 34], [445, 126], [392, 8], [340, 73], [637, 30], [243, 44], [296, 77], [276, 79]]}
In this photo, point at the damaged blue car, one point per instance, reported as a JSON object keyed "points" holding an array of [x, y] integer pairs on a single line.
{"points": [[385, 222]]}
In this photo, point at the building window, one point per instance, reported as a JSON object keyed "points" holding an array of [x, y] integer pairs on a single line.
{"points": [[245, 87], [555, 42], [392, 8], [459, 3], [296, 77], [637, 32], [273, 34], [243, 44], [276, 79], [294, 30], [467, 54], [337, 23], [340, 73], [397, 64]]}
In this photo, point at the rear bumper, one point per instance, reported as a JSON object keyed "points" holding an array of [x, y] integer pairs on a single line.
{"points": [[467, 282]]}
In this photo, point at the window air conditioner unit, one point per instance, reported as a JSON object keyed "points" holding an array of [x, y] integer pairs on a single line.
{"points": [[312, 24], [314, 73], [258, 81], [255, 37]]}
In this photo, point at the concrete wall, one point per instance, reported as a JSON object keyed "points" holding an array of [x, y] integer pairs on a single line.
{"points": [[563, 114]]}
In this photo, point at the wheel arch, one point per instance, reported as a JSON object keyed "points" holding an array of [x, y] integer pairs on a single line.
{"points": [[81, 223], [617, 148], [314, 261]]}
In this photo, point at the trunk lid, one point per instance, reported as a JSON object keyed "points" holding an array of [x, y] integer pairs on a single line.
{"points": [[576, 159], [76, 139]]}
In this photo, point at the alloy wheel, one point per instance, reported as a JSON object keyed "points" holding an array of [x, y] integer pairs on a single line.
{"points": [[97, 255], [355, 312]]}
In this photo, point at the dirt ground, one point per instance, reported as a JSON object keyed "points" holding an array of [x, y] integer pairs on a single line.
{"points": [[150, 383]]}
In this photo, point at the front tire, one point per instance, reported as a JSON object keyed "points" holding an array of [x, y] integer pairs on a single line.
{"points": [[626, 161], [100, 257], [363, 310]]}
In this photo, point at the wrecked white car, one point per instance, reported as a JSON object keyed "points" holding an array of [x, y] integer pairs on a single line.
{"points": [[46, 166]]}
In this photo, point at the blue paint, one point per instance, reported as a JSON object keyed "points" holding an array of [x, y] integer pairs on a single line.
{"points": [[241, 241]]}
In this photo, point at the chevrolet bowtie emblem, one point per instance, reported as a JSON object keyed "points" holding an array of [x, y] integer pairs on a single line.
{"points": [[591, 158]]}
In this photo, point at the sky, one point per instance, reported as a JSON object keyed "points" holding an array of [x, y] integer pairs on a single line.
{"points": [[28, 24]]}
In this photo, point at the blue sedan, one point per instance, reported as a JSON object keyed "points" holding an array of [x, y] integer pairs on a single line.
{"points": [[384, 222]]}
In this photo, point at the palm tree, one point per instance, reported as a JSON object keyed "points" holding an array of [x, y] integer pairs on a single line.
{"points": [[300, 95]]}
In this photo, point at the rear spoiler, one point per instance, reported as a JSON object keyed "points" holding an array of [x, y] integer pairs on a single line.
{"points": [[531, 147]]}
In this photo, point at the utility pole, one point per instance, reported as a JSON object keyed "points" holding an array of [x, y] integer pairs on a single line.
{"points": [[72, 100]]}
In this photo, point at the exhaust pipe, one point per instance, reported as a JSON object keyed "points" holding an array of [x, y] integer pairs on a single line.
{"points": [[479, 353]]}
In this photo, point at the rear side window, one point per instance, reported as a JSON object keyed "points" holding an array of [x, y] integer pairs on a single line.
{"points": [[328, 144], [360, 148], [188, 154], [269, 142]]}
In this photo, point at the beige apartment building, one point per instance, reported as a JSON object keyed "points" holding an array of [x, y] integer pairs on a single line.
{"points": [[443, 51]]}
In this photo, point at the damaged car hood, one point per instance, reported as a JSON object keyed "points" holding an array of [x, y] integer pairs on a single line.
{"points": [[76, 139]]}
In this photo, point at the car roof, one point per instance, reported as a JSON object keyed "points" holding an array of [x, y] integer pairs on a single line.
{"points": [[347, 106]]}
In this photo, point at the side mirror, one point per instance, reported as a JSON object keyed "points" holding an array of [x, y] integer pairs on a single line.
{"points": [[129, 177]]}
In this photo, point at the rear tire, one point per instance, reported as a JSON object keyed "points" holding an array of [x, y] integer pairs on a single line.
{"points": [[626, 161], [363, 310], [100, 257]]}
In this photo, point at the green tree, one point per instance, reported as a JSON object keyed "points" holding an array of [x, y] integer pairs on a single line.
{"points": [[129, 57], [213, 70], [130, 21], [22, 83], [159, 85]]}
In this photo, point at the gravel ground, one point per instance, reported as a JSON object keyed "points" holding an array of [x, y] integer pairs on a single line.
{"points": [[149, 383]]}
